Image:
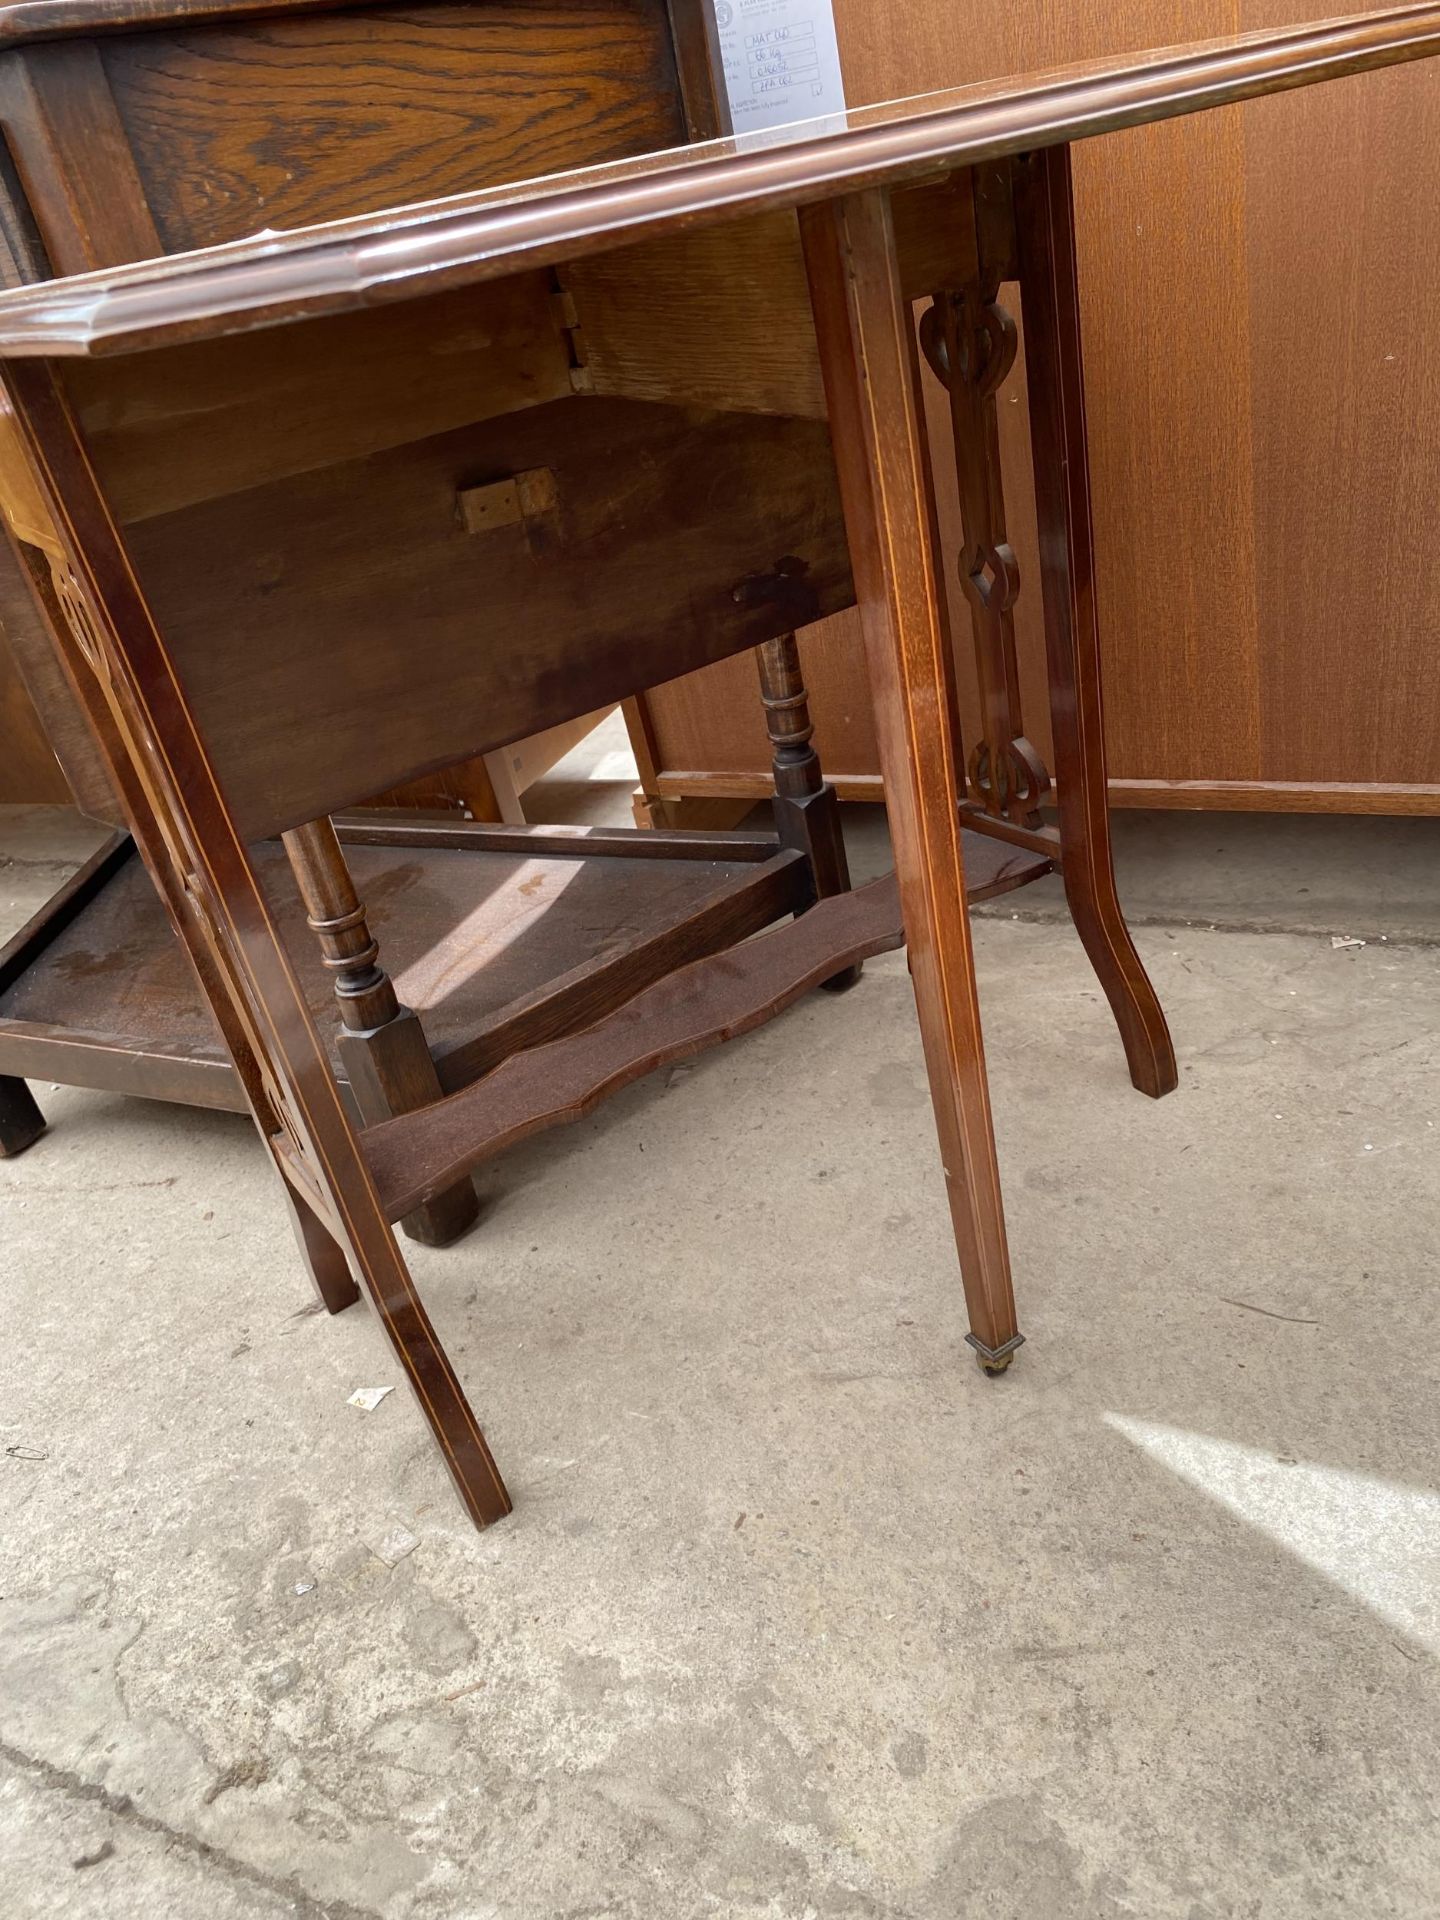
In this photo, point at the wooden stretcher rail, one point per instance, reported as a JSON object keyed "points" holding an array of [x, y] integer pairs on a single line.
{"points": [[32, 1051], [689, 1010], [758, 896], [349, 264], [379, 828], [692, 1009]]}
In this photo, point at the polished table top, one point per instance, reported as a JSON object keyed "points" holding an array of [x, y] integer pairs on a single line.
{"points": [[407, 253]]}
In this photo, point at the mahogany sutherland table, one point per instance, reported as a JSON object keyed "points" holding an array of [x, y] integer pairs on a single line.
{"points": [[602, 542]]}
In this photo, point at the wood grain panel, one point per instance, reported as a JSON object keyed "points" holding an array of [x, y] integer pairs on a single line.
{"points": [[330, 566], [718, 318], [721, 317], [273, 123], [1343, 198], [217, 417], [73, 159], [1163, 299], [23, 21]]}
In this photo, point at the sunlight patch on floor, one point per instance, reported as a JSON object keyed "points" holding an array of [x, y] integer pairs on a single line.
{"points": [[1376, 1539]]}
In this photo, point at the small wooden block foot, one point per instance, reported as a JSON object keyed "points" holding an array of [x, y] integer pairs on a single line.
{"points": [[810, 823], [842, 982], [445, 1219], [21, 1121], [390, 1071], [323, 1255]]}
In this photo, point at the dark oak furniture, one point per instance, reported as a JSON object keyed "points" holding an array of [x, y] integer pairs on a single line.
{"points": [[132, 130], [139, 127], [637, 537]]}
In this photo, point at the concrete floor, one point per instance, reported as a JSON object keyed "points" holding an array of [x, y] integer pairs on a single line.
{"points": [[798, 1616]]}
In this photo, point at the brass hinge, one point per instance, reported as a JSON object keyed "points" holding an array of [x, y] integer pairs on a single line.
{"points": [[567, 316]]}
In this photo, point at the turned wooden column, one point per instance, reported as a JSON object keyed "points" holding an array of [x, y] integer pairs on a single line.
{"points": [[807, 811], [382, 1045]]}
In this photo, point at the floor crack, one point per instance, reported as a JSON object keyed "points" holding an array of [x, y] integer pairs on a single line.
{"points": [[122, 1807]]}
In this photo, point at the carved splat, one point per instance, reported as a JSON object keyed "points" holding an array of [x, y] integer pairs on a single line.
{"points": [[336, 916], [78, 618], [969, 339]]}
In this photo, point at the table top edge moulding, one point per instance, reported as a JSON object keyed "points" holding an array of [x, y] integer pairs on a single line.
{"points": [[346, 265]]}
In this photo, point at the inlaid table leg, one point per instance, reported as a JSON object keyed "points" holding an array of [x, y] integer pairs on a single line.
{"points": [[1045, 240], [187, 835], [862, 324]]}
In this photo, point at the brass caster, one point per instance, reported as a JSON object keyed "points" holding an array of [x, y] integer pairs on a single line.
{"points": [[995, 1360]]}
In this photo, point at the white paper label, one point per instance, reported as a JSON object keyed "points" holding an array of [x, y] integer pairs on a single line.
{"points": [[781, 61]]}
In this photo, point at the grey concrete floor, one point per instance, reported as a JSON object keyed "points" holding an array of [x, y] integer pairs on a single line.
{"points": [[798, 1616]]}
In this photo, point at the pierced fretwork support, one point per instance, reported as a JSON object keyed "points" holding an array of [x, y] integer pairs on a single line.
{"points": [[970, 340], [1023, 221], [382, 1044]]}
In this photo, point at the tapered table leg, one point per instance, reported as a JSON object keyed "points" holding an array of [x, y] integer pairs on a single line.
{"points": [[189, 840], [862, 324], [1045, 239]]}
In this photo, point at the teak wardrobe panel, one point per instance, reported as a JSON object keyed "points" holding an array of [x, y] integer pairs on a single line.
{"points": [[1264, 438]]}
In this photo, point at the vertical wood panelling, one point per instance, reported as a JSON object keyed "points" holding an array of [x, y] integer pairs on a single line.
{"points": [[1343, 197], [1264, 421], [1162, 265]]}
